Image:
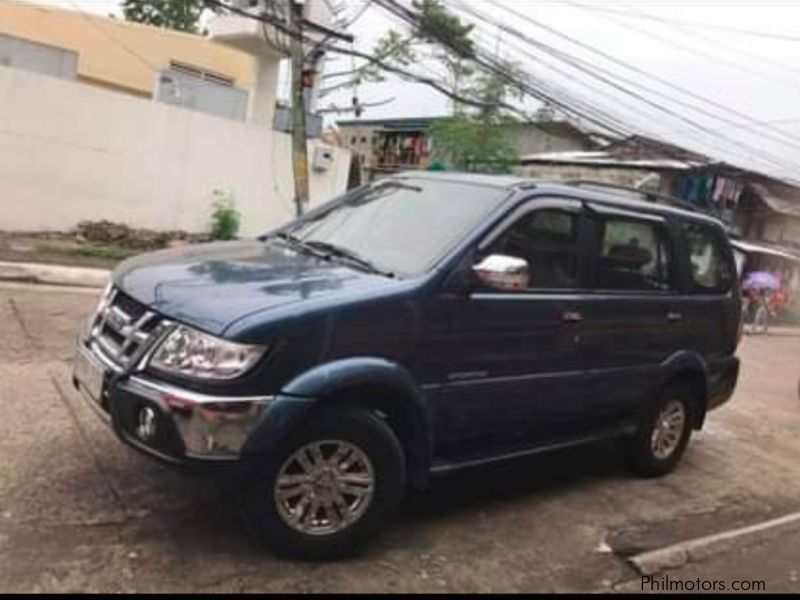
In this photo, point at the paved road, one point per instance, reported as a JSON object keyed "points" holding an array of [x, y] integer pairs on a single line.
{"points": [[80, 512]]}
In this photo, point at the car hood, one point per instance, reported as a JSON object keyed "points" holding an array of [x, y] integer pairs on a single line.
{"points": [[212, 285]]}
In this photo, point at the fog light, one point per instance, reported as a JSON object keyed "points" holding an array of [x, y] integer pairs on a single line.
{"points": [[146, 427]]}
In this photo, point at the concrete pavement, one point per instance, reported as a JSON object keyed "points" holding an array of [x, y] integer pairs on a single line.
{"points": [[80, 512], [53, 274]]}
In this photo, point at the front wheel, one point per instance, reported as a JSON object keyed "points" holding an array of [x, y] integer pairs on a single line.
{"points": [[329, 487], [663, 433]]}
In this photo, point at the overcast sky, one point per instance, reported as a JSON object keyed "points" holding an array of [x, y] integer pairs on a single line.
{"points": [[707, 48]]}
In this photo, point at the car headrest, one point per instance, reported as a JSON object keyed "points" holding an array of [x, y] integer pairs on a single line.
{"points": [[632, 257]]}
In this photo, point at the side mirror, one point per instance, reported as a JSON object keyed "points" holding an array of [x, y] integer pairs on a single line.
{"points": [[502, 272]]}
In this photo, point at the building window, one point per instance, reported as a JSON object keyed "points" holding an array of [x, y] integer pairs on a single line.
{"points": [[201, 73]]}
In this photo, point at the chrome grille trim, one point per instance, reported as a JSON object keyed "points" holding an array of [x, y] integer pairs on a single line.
{"points": [[135, 335]]}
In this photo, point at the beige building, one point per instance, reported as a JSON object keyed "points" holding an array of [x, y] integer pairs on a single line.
{"points": [[128, 57], [104, 119]]}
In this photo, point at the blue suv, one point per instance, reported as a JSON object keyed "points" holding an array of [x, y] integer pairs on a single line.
{"points": [[418, 325]]}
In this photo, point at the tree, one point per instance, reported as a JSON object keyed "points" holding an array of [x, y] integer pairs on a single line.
{"points": [[182, 15], [478, 139]]}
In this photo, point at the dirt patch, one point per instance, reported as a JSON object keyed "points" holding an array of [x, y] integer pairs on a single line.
{"points": [[100, 244]]}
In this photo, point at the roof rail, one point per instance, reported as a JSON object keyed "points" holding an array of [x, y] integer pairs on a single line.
{"points": [[643, 194]]}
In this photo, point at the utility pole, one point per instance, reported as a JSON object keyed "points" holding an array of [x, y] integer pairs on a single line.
{"points": [[299, 137]]}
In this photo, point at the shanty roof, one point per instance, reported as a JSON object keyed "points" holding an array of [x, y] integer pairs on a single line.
{"points": [[764, 249], [781, 198], [606, 158]]}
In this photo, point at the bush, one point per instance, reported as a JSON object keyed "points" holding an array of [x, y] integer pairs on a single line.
{"points": [[225, 219]]}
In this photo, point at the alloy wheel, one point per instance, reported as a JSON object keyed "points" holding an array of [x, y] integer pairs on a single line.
{"points": [[324, 487]]}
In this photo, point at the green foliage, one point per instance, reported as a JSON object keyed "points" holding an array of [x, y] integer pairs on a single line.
{"points": [[437, 25], [182, 15], [225, 219], [478, 139], [393, 48], [469, 144]]}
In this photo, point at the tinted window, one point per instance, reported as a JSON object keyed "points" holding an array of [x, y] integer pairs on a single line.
{"points": [[548, 240], [711, 269], [402, 225], [632, 255]]}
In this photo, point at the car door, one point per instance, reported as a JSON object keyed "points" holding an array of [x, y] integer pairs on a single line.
{"points": [[512, 365], [633, 312], [712, 307]]}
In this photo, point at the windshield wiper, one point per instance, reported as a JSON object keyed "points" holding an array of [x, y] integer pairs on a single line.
{"points": [[346, 253], [298, 243]]}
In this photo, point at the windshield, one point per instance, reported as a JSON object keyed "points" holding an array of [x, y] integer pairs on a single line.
{"points": [[402, 226]]}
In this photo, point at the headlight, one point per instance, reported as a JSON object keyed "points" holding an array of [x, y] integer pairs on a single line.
{"points": [[186, 351]]}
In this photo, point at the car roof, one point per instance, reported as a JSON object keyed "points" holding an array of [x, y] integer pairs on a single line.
{"points": [[599, 192]]}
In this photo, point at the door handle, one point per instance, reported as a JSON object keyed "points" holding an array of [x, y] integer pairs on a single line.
{"points": [[674, 316], [572, 317]]}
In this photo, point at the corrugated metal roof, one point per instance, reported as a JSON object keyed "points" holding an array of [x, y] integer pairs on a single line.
{"points": [[780, 198], [605, 159]]}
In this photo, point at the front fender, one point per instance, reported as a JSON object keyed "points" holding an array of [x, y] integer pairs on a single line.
{"points": [[329, 378], [393, 391]]}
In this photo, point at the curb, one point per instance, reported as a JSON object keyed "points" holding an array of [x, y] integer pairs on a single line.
{"points": [[670, 557], [53, 274]]}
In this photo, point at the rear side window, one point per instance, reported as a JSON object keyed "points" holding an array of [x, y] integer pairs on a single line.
{"points": [[711, 269], [632, 255]]}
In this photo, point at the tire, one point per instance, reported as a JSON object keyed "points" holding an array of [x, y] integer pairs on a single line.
{"points": [[365, 441], [647, 457]]}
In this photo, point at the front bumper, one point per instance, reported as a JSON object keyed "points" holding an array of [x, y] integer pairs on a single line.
{"points": [[167, 422]]}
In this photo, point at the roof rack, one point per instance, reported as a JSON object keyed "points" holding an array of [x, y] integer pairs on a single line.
{"points": [[643, 194]]}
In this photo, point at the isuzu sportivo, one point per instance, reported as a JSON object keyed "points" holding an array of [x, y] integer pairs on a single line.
{"points": [[423, 323]]}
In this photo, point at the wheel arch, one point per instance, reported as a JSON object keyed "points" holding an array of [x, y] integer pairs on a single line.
{"points": [[689, 369], [377, 384]]}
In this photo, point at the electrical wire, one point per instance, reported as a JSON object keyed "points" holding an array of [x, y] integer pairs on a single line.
{"points": [[707, 26], [668, 84], [606, 77], [737, 146], [693, 50]]}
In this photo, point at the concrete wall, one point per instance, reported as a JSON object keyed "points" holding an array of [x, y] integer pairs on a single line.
{"points": [[529, 139], [624, 177], [70, 152]]}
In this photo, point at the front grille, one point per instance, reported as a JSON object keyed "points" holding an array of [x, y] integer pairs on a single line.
{"points": [[123, 328]]}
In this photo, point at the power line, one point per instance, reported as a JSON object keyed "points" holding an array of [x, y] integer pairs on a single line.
{"points": [[760, 155], [650, 34], [409, 17], [371, 59], [651, 17], [774, 160], [637, 70], [608, 78]]}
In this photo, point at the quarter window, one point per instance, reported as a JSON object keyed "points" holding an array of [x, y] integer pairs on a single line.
{"points": [[632, 255], [548, 240], [711, 269]]}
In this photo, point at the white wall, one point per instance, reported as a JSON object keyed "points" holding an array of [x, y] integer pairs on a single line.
{"points": [[70, 152]]}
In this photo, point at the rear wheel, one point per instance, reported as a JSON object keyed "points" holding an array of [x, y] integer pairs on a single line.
{"points": [[329, 487], [663, 433]]}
